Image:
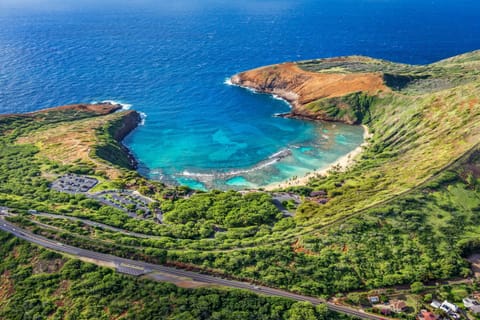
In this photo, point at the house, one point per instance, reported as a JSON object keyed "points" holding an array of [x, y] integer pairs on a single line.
{"points": [[427, 315], [374, 299], [398, 305], [469, 302], [448, 307], [436, 304], [472, 304]]}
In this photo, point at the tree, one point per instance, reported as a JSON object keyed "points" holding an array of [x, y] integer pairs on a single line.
{"points": [[417, 287], [322, 312], [471, 181], [301, 311]]}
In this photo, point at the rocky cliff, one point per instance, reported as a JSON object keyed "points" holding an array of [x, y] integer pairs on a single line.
{"points": [[129, 121], [308, 91], [87, 134]]}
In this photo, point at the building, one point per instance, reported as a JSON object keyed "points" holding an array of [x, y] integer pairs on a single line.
{"points": [[472, 305], [398, 305], [448, 307], [374, 299], [436, 304], [427, 315]]}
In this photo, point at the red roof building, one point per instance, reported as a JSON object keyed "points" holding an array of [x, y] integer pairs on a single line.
{"points": [[398, 305], [427, 315]]}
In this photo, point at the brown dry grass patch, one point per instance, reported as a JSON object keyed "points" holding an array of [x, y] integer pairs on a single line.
{"points": [[98, 109], [6, 286], [72, 142]]}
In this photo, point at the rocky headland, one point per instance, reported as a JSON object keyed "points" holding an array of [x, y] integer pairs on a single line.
{"points": [[303, 89], [89, 133], [102, 108]]}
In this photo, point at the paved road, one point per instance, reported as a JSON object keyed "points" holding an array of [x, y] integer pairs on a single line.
{"points": [[96, 224], [138, 267]]}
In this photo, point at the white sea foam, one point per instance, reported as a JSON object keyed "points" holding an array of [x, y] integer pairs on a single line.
{"points": [[125, 106], [198, 175], [277, 97], [143, 117], [253, 90], [274, 158], [228, 82], [280, 154]]}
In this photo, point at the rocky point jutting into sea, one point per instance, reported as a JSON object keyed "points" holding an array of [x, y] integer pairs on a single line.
{"points": [[301, 87]]}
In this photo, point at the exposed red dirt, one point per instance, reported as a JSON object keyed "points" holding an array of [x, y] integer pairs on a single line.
{"points": [[6, 286], [300, 87], [298, 248]]}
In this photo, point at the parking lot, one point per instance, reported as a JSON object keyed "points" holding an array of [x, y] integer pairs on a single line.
{"points": [[73, 183]]}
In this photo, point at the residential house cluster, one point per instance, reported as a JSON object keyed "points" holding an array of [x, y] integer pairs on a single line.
{"points": [[449, 308]]}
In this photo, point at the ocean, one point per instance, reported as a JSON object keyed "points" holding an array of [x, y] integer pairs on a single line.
{"points": [[170, 61]]}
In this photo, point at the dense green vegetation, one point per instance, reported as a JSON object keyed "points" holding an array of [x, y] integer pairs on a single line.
{"points": [[25, 186], [407, 212], [225, 209], [38, 284], [355, 106], [418, 237]]}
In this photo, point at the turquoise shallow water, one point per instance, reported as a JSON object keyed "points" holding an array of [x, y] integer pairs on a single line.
{"points": [[169, 60], [242, 150]]}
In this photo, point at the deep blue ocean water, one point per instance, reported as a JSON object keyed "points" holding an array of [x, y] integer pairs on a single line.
{"points": [[170, 60]]}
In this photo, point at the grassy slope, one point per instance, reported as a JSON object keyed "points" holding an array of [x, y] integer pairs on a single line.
{"points": [[401, 229], [85, 140], [397, 232], [414, 136]]}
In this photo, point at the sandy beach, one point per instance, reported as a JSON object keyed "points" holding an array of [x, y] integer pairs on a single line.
{"points": [[342, 162]]}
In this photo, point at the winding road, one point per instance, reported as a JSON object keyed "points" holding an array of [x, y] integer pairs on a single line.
{"points": [[134, 267]]}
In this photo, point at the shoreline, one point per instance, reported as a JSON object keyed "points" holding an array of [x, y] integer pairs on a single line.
{"points": [[274, 95], [344, 162]]}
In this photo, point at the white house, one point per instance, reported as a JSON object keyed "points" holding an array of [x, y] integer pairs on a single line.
{"points": [[436, 304], [472, 305], [449, 307]]}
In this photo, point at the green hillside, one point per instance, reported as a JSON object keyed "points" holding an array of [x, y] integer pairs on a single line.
{"points": [[408, 209]]}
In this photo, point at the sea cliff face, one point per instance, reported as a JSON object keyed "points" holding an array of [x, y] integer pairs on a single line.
{"points": [[305, 89], [128, 122], [84, 133]]}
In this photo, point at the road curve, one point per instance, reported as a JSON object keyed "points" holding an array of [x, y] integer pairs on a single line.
{"points": [[95, 224], [149, 267]]}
